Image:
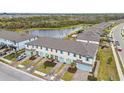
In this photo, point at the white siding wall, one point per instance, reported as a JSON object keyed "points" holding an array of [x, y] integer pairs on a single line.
{"points": [[19, 45], [8, 42], [58, 53]]}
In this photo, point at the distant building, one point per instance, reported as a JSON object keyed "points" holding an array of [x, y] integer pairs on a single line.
{"points": [[92, 34], [14, 39]]}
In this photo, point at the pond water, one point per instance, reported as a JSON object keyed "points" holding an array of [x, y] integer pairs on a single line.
{"points": [[53, 33]]}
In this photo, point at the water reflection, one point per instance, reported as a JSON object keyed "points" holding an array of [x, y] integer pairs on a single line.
{"points": [[53, 33]]}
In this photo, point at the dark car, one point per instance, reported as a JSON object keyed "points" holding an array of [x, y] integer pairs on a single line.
{"points": [[2, 53]]}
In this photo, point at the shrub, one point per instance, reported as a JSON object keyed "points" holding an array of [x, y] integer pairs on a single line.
{"points": [[92, 78]]}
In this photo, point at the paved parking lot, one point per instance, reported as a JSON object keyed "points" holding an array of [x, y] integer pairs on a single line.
{"points": [[8, 73]]}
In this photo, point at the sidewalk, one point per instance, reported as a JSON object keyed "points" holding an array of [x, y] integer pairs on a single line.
{"points": [[119, 70], [117, 63]]}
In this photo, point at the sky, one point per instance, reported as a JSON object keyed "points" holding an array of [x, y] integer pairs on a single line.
{"points": [[62, 6]]}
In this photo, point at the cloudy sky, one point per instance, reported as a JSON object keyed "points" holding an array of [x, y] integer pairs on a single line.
{"points": [[62, 6]]}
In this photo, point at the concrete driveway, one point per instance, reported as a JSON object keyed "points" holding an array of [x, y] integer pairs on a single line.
{"points": [[80, 76]]}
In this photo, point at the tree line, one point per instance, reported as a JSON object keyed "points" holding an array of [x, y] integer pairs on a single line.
{"points": [[52, 21]]}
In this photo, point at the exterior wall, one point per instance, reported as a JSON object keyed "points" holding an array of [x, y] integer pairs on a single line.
{"points": [[7, 42], [61, 57]]}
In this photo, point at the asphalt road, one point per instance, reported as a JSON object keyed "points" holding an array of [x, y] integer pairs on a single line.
{"points": [[8, 73], [118, 37]]}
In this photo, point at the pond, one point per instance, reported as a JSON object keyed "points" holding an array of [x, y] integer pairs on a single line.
{"points": [[61, 33]]}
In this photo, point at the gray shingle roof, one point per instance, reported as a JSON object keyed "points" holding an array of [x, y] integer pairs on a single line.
{"points": [[14, 36], [84, 49], [93, 33]]}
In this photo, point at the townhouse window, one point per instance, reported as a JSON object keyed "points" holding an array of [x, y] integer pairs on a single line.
{"points": [[74, 55], [14, 42], [47, 49], [80, 56], [37, 46], [87, 58], [56, 50], [61, 52], [41, 47], [68, 53], [51, 49]]}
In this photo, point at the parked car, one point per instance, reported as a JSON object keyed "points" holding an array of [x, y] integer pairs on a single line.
{"points": [[21, 57], [2, 53], [118, 47]]}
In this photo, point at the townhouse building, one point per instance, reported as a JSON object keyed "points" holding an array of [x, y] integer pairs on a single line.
{"points": [[14, 39], [66, 51], [93, 34]]}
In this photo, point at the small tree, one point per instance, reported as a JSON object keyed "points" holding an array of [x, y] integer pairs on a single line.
{"points": [[109, 60], [72, 68], [73, 65]]}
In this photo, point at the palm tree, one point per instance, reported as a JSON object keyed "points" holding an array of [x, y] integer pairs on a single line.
{"points": [[73, 65]]}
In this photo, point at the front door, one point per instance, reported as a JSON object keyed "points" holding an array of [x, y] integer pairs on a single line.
{"points": [[56, 58], [37, 53]]}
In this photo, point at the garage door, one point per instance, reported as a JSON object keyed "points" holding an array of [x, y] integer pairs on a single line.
{"points": [[84, 67]]}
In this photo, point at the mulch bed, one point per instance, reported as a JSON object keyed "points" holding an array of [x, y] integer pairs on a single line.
{"points": [[72, 70]]}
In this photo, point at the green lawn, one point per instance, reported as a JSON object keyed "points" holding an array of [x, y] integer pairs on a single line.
{"points": [[68, 76], [46, 67], [3, 61], [13, 56], [106, 70], [27, 62]]}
